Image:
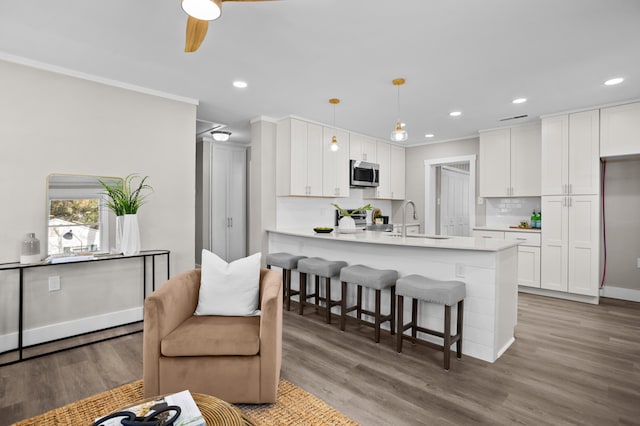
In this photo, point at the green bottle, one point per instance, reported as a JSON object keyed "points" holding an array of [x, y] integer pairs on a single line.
{"points": [[539, 220], [533, 219]]}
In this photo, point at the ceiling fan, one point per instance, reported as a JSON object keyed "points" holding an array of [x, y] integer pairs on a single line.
{"points": [[200, 13]]}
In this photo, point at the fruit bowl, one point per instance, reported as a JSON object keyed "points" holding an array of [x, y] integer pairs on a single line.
{"points": [[323, 229]]}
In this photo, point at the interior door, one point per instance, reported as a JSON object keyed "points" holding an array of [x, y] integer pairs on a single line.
{"points": [[454, 202], [236, 205], [219, 183]]}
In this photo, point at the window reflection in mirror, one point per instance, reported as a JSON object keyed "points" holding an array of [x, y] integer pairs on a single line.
{"points": [[77, 216]]}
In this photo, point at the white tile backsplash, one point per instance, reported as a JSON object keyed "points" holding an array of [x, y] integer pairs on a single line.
{"points": [[309, 212], [510, 211]]}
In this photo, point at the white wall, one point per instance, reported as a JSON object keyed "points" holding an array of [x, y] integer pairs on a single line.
{"points": [[54, 123], [415, 157], [622, 204]]}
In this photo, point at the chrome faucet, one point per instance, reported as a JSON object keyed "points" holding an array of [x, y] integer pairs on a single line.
{"points": [[404, 216]]}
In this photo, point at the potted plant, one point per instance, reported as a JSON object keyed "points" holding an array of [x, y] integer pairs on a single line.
{"points": [[124, 198], [346, 223]]}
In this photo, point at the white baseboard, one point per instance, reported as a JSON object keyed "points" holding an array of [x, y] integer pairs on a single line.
{"points": [[60, 330], [594, 300], [621, 293]]}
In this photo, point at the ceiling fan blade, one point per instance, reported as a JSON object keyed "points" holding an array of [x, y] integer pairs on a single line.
{"points": [[196, 32]]}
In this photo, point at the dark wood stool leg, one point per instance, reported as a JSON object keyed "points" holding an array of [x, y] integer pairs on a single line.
{"points": [[414, 318], [392, 322], [459, 328], [400, 323], [286, 291], [317, 298], [359, 303], [447, 336], [268, 266], [303, 292], [376, 332], [327, 291], [343, 307]]}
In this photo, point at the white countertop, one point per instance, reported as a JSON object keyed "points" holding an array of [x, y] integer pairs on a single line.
{"points": [[413, 240], [505, 228]]}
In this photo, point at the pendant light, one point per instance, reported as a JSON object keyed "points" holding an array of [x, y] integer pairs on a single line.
{"points": [[399, 134], [334, 140]]}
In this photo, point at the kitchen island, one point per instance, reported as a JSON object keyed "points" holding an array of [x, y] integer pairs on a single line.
{"points": [[487, 266]]}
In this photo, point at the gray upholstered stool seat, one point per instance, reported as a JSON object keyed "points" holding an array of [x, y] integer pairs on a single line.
{"points": [[287, 262], [321, 268], [447, 293], [376, 279], [432, 291], [284, 260]]}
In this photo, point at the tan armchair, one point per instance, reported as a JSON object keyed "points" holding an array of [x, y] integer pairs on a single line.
{"points": [[237, 359]]}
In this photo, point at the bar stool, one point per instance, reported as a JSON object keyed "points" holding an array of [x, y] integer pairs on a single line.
{"points": [[445, 293], [287, 262], [378, 279], [320, 268]]}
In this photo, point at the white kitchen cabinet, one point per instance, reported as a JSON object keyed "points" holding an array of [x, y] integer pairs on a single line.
{"points": [[528, 253], [335, 164], [299, 158], [528, 257], [510, 162], [398, 161], [383, 158], [362, 148], [570, 154], [391, 159], [221, 200], [620, 130], [570, 244]]}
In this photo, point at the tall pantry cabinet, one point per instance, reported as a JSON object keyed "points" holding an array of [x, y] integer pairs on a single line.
{"points": [[221, 185], [570, 203]]}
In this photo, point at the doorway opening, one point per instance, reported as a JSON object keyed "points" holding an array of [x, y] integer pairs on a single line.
{"points": [[450, 192]]}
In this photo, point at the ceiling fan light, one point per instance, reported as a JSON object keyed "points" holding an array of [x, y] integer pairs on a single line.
{"points": [[205, 10], [221, 136]]}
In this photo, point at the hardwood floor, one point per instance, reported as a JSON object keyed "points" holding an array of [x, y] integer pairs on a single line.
{"points": [[571, 364]]}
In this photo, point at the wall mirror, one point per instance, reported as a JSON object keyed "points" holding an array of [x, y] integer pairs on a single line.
{"points": [[78, 220]]}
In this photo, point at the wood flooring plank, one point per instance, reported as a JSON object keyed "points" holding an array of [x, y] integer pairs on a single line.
{"points": [[571, 364]]}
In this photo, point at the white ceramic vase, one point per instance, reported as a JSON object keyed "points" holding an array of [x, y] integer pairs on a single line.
{"points": [[346, 224], [130, 243], [119, 225]]}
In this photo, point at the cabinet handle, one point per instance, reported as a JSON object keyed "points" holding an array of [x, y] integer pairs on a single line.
{"points": [[570, 189], [570, 201], [521, 239], [231, 222], [485, 236]]}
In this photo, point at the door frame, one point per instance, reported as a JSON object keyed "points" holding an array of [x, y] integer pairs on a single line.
{"points": [[430, 189]]}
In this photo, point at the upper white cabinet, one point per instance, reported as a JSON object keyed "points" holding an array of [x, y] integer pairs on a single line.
{"points": [[335, 164], [620, 130], [510, 162], [362, 148], [299, 158], [397, 172], [570, 154], [391, 159]]}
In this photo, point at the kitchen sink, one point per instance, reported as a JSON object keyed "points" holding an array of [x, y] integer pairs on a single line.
{"points": [[424, 236]]}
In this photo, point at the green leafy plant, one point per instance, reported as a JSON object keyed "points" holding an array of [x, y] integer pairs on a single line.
{"points": [[126, 196], [343, 212]]}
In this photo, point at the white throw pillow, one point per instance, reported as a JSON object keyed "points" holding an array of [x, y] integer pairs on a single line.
{"points": [[229, 289]]}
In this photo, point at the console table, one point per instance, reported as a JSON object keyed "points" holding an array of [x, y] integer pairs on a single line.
{"points": [[143, 255]]}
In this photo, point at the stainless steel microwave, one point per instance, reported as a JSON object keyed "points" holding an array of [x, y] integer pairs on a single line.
{"points": [[365, 174]]}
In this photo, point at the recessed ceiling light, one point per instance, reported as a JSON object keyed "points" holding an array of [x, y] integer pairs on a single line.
{"points": [[519, 101], [455, 113], [429, 135], [613, 81], [240, 84]]}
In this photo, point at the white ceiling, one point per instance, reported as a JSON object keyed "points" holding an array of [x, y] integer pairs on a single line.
{"points": [[475, 56]]}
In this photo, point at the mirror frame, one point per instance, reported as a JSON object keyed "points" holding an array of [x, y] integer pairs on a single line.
{"points": [[111, 219]]}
